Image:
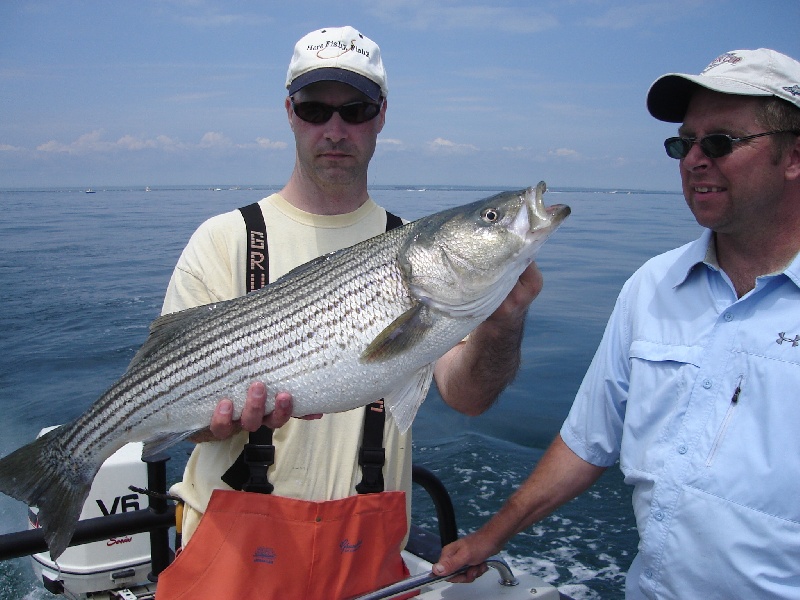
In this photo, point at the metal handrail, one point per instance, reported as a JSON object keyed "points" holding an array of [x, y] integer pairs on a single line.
{"points": [[416, 582]]}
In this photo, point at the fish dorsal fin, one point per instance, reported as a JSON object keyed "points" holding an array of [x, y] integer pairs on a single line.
{"points": [[309, 265], [405, 402], [165, 327], [401, 335]]}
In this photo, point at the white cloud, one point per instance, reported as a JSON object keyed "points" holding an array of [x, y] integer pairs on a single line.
{"points": [[88, 142], [129, 142], [564, 153], [214, 139], [390, 144], [52, 146], [268, 144], [93, 143], [443, 145], [167, 143]]}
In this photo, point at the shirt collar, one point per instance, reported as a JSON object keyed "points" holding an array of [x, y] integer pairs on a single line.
{"points": [[793, 270], [704, 251], [700, 251]]}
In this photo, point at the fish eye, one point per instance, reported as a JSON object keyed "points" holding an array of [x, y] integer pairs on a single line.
{"points": [[490, 215]]}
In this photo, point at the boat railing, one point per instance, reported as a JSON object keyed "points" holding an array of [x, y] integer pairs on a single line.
{"points": [[156, 519], [159, 517], [417, 582]]}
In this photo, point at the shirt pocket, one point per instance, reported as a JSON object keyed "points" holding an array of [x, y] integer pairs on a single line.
{"points": [[751, 451], [760, 550], [661, 377]]}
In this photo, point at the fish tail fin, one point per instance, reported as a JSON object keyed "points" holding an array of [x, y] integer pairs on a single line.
{"points": [[41, 474]]}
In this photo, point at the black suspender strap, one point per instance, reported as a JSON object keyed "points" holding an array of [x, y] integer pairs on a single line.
{"points": [[372, 455], [392, 221], [249, 471], [257, 258]]}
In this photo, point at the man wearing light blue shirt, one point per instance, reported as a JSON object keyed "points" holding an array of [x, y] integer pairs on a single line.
{"points": [[695, 387]]}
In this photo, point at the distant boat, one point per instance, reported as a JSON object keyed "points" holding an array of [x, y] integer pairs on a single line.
{"points": [[147, 189], [90, 191]]}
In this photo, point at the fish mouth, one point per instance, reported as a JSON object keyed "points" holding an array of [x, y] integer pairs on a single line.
{"points": [[540, 216]]}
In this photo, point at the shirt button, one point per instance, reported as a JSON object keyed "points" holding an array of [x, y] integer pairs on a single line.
{"points": [[728, 317], [648, 573], [682, 449], [707, 384], [659, 516]]}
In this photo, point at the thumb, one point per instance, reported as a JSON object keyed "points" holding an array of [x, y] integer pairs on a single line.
{"points": [[447, 562]]}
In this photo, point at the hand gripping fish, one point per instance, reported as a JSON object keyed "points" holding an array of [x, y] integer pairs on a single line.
{"points": [[339, 332]]}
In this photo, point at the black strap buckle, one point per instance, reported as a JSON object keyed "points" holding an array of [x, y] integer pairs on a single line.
{"points": [[249, 471], [371, 461], [258, 458]]}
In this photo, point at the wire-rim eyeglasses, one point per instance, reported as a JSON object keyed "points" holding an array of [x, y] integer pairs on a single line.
{"points": [[714, 145]]}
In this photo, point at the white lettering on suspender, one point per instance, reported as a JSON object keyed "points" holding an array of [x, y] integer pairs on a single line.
{"points": [[257, 260]]}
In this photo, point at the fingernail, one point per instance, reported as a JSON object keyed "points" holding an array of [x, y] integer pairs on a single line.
{"points": [[226, 408], [438, 569]]}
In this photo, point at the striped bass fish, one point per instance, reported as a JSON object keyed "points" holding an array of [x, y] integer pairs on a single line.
{"points": [[342, 331]]}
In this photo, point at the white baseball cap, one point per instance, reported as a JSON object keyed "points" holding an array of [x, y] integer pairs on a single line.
{"points": [[761, 72], [338, 54]]}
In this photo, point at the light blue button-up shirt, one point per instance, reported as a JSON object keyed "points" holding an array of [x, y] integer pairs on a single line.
{"points": [[697, 393]]}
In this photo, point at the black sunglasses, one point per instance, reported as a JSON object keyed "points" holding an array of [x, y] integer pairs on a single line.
{"points": [[352, 112], [714, 145]]}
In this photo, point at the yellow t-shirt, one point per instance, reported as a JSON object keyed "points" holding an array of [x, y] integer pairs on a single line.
{"points": [[314, 460]]}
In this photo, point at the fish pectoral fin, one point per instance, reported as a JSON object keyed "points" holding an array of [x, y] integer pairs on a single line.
{"points": [[162, 441], [400, 336], [405, 402]]}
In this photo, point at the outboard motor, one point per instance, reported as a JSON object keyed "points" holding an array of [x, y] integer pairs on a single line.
{"points": [[113, 564]]}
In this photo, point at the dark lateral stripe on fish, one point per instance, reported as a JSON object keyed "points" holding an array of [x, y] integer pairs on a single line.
{"points": [[237, 330]]}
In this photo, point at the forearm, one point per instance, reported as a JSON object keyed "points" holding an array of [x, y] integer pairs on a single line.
{"points": [[559, 477], [472, 375]]}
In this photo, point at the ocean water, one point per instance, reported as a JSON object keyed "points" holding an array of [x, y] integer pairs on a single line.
{"points": [[83, 275]]}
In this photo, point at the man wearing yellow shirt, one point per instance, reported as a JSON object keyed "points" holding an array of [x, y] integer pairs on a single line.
{"points": [[336, 107]]}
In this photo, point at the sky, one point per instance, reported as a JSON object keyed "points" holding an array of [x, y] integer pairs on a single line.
{"points": [[481, 92]]}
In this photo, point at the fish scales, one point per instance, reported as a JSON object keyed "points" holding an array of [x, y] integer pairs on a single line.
{"points": [[346, 329], [224, 351]]}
